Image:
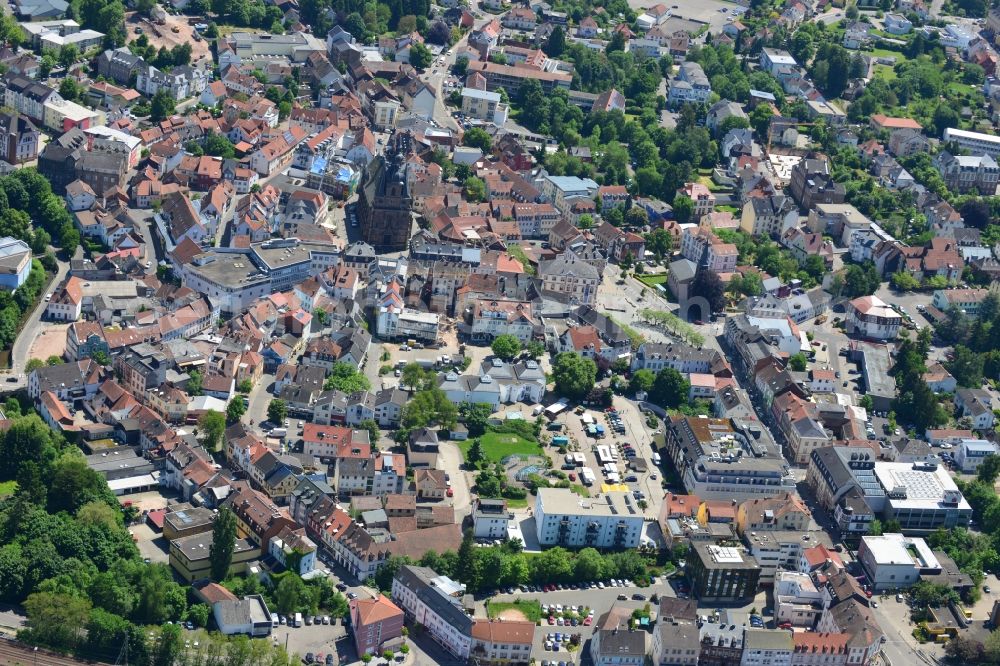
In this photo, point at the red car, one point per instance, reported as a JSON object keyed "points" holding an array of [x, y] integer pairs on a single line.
{"points": [[572, 476], [552, 619], [450, 492], [785, 625]]}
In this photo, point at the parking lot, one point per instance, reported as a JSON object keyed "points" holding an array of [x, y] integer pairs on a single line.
{"points": [[630, 446], [705, 11]]}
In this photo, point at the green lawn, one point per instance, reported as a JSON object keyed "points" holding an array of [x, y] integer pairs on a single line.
{"points": [[8, 488], [652, 280], [885, 72], [497, 446], [531, 608], [580, 490], [886, 53]]}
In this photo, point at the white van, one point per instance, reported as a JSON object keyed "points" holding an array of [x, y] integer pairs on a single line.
{"points": [[298, 620], [274, 620], [656, 458]]}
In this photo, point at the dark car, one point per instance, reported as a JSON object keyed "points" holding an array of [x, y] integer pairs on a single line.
{"points": [[342, 587], [329, 658], [639, 597], [309, 658]]}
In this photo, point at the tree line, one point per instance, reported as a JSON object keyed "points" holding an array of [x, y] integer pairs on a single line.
{"points": [[506, 565]]}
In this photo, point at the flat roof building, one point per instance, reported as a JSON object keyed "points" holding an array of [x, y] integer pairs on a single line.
{"points": [[722, 574], [563, 518], [893, 561]]}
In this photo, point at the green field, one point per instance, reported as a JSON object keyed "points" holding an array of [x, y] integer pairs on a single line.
{"points": [[498, 445], [530, 608]]}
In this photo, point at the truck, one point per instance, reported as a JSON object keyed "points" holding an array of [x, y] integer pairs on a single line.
{"points": [[587, 477], [279, 433], [560, 440]]}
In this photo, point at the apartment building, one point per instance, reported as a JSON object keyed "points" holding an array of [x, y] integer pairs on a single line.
{"points": [[434, 602], [609, 521]]}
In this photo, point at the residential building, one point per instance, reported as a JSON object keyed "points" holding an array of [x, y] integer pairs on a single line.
{"points": [[376, 624], [968, 173], [704, 200], [787, 512], [722, 574], [615, 642], [490, 518], [18, 139], [870, 317], [812, 183], [726, 459], [966, 300], [977, 405], [976, 143], [970, 454], [433, 602], [691, 85], [609, 521], [502, 641]]}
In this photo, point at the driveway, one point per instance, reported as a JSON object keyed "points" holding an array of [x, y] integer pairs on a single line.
{"points": [[450, 460], [259, 400], [33, 326]]}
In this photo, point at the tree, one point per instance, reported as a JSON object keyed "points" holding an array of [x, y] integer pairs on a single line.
{"points": [[69, 89], [989, 469], [965, 650], [574, 375], [476, 454], [535, 349], [660, 243], [420, 55], [290, 594], [469, 565], [636, 217], [642, 380], [163, 106], [475, 416], [413, 376], [506, 347], [975, 213], [556, 44], [945, 116], [670, 388], [760, 120], [461, 65], [277, 411], [194, 383], [966, 367], [429, 407], [797, 362], [245, 386], [219, 145], [683, 208], [56, 620], [478, 138], [903, 281], [708, 285], [212, 425], [346, 378], [220, 555], [235, 409], [475, 189]]}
